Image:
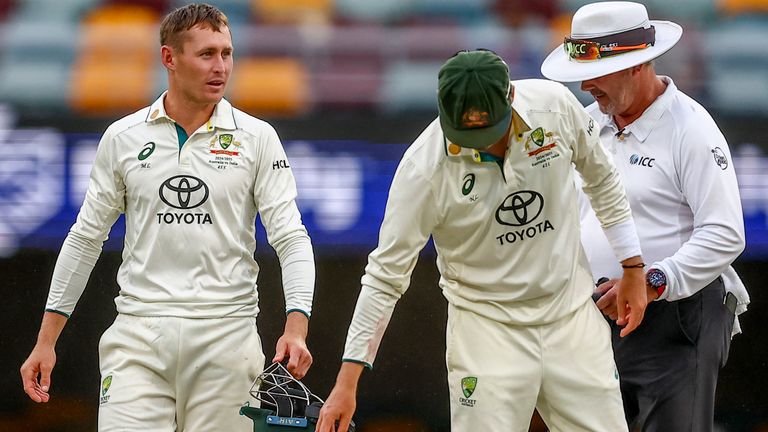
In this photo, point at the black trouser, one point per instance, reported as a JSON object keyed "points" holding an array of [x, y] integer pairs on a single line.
{"points": [[668, 366]]}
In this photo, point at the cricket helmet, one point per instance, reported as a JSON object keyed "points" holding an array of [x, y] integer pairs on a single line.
{"points": [[286, 404]]}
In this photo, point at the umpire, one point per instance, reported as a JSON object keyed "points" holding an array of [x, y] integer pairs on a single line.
{"points": [[681, 184]]}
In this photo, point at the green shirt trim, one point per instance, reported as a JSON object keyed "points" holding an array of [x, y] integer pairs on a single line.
{"points": [[183, 137], [487, 157], [366, 364], [66, 315], [297, 310]]}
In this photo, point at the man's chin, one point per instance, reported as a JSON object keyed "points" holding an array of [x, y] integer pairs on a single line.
{"points": [[214, 98], [605, 109]]}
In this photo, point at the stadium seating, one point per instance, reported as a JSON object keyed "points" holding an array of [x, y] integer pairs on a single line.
{"points": [[52, 10], [277, 86], [117, 52], [410, 85], [39, 85], [110, 88], [295, 11], [738, 81], [348, 53], [742, 7]]}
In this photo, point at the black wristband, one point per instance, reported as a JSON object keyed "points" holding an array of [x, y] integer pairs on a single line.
{"points": [[639, 265]]}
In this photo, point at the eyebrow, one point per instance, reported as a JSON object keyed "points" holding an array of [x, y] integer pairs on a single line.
{"points": [[214, 48]]}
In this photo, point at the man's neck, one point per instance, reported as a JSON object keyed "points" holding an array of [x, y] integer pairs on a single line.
{"points": [[187, 114], [647, 92], [499, 148]]}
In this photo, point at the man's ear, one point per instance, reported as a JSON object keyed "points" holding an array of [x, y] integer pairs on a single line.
{"points": [[167, 57]]}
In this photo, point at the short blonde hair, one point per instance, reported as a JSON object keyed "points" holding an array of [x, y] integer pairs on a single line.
{"points": [[184, 18]]}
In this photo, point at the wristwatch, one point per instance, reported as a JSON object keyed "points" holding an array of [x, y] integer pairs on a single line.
{"points": [[657, 280]]}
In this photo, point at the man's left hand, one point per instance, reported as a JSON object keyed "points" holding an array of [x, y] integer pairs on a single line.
{"points": [[632, 299]]}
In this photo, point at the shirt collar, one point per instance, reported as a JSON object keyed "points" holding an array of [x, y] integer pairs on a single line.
{"points": [[520, 114], [644, 124], [223, 114]]}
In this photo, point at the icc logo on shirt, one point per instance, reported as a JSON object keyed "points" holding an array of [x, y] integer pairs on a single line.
{"points": [[641, 160]]}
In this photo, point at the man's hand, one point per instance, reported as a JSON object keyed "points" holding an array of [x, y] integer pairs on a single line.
{"points": [[36, 370], [607, 301], [39, 364], [340, 405], [293, 346], [632, 297]]}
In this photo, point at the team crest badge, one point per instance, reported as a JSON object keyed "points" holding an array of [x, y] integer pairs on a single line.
{"points": [[225, 140], [474, 118], [106, 384], [468, 385], [538, 136]]}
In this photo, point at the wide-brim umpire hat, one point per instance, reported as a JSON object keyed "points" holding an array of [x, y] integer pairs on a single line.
{"points": [[608, 37], [473, 98]]}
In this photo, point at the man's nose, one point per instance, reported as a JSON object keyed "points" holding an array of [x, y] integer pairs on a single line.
{"points": [[587, 85]]}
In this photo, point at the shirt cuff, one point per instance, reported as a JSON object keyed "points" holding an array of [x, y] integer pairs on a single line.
{"points": [[623, 239]]}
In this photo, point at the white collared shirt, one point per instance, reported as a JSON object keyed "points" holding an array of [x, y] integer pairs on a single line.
{"points": [[190, 214], [507, 236], [681, 184]]}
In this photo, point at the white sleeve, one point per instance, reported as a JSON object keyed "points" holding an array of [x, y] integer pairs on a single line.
{"points": [[601, 183], [275, 196], [298, 268], [76, 260], [408, 222], [623, 239], [104, 201], [708, 182]]}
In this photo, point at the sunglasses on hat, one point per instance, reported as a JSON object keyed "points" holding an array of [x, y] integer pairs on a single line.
{"points": [[607, 46]]}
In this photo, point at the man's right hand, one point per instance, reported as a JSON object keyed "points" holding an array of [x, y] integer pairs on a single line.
{"points": [[341, 404], [36, 373]]}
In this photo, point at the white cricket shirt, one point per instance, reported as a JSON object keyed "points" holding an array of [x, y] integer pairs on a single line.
{"points": [[507, 236], [190, 215], [681, 184]]}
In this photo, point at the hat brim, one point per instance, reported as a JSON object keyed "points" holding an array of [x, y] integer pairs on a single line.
{"points": [[478, 138], [559, 67]]}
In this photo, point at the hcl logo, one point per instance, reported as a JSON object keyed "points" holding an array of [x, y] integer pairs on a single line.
{"points": [[641, 160]]}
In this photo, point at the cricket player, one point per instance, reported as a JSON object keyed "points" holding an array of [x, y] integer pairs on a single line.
{"points": [[491, 181], [681, 184], [190, 173]]}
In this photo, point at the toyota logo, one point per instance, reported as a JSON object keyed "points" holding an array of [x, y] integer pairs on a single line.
{"points": [[184, 192], [520, 208]]}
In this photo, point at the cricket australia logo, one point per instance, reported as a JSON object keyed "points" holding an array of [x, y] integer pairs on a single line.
{"points": [[224, 155], [225, 140], [537, 136], [105, 384], [468, 386]]}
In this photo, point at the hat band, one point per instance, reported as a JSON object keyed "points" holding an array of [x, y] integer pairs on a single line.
{"points": [[606, 46]]}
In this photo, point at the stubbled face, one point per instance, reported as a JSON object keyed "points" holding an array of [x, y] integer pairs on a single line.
{"points": [[613, 92], [203, 65]]}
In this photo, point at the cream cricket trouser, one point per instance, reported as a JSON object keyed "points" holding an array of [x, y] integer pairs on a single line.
{"points": [[498, 373], [164, 374]]}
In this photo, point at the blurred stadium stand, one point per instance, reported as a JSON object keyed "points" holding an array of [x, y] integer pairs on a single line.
{"points": [[339, 79], [76, 52]]}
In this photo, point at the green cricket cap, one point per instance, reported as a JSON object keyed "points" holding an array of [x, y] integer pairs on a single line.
{"points": [[473, 98]]}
